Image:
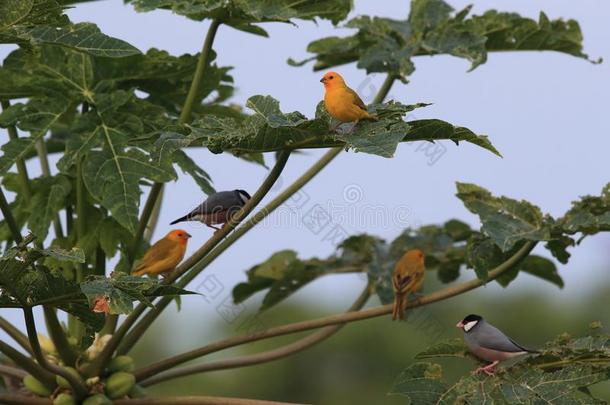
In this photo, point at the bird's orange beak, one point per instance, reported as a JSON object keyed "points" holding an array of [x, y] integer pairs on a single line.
{"points": [[460, 325]]}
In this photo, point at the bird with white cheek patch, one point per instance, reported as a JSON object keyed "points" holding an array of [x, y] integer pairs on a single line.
{"points": [[218, 209], [489, 343]]}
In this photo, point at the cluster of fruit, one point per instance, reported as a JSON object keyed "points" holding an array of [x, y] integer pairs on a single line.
{"points": [[119, 383]]}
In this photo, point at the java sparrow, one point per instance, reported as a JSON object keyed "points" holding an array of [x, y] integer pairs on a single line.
{"points": [[218, 208], [489, 343]]}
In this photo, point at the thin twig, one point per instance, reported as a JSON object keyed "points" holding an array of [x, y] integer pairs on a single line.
{"points": [[200, 400], [204, 256], [22, 170], [11, 399], [12, 371], [118, 337], [41, 149], [28, 365], [263, 357], [440, 295], [78, 387], [202, 64], [9, 218], [16, 334], [58, 336]]}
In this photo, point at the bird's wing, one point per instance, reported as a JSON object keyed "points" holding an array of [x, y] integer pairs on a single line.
{"points": [[356, 99], [159, 251], [490, 337], [216, 202]]}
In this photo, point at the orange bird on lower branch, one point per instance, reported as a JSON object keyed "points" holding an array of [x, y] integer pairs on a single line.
{"points": [[343, 103], [164, 256], [408, 277]]}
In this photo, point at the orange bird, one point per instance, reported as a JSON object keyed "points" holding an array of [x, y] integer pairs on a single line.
{"points": [[164, 256], [343, 103], [408, 277]]}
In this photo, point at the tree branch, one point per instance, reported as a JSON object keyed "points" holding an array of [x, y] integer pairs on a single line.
{"points": [[203, 400], [264, 357], [11, 399], [58, 336], [78, 387], [202, 64], [12, 371], [28, 365], [22, 171], [9, 218], [16, 334], [41, 149], [440, 295], [97, 365], [204, 256], [155, 191]]}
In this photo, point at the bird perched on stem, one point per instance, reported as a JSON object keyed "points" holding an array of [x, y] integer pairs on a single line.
{"points": [[217, 209], [164, 255], [489, 343], [408, 277], [343, 103]]}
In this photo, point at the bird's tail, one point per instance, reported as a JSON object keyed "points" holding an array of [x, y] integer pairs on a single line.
{"points": [[184, 218], [398, 312], [139, 272], [370, 117]]}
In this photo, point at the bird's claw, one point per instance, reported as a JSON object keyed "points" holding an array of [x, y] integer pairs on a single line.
{"points": [[488, 369]]}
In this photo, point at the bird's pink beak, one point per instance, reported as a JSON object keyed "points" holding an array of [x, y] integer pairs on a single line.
{"points": [[188, 235], [460, 325]]}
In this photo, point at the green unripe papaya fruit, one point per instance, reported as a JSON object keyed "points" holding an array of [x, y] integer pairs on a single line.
{"points": [[121, 363], [137, 392], [64, 399], [119, 384], [97, 399], [62, 382], [35, 386]]}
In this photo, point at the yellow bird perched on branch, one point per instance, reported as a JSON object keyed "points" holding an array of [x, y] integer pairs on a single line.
{"points": [[343, 103], [408, 277], [164, 255]]}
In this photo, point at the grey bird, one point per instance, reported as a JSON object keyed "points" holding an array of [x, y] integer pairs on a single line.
{"points": [[218, 208], [489, 343]]}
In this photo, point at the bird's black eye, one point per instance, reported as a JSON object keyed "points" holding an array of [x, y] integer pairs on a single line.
{"points": [[331, 77], [181, 234]]}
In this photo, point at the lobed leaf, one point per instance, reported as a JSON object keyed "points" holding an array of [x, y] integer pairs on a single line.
{"points": [[388, 45], [241, 14]]}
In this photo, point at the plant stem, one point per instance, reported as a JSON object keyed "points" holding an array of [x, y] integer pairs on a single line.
{"points": [[264, 357], [98, 364], [58, 336], [78, 387], [16, 334], [192, 261], [28, 365], [8, 217], [41, 148], [12, 399], [202, 64], [560, 363], [75, 327], [12, 371], [204, 251], [154, 217], [22, 171], [200, 400], [440, 295], [154, 193]]}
